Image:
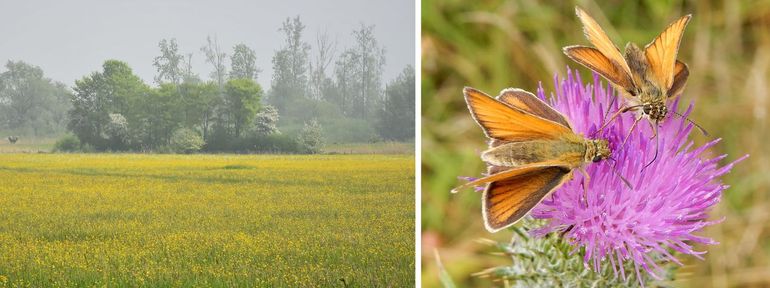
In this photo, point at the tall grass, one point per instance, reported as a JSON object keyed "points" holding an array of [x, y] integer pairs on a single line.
{"points": [[26, 144], [497, 44]]}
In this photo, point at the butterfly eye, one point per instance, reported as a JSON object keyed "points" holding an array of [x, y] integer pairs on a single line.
{"points": [[597, 158], [646, 109]]}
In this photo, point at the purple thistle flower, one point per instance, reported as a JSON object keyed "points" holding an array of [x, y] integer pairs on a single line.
{"points": [[667, 203]]}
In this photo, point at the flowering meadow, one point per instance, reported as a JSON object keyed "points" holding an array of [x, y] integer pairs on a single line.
{"points": [[206, 220]]}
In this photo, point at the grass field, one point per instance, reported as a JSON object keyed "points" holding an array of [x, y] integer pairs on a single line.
{"points": [[84, 220], [371, 148], [37, 145], [27, 145]]}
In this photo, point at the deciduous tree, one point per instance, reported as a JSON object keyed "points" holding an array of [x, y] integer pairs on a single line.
{"points": [[243, 63], [242, 98]]}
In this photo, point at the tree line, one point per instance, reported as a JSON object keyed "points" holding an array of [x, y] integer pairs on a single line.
{"points": [[316, 96]]}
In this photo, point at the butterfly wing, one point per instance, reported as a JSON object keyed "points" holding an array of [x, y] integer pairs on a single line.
{"points": [[508, 200], [498, 173], [661, 52], [681, 72], [503, 122], [595, 60], [601, 41], [529, 102]]}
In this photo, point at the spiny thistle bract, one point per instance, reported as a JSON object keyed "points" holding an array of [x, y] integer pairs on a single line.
{"points": [[550, 261]]}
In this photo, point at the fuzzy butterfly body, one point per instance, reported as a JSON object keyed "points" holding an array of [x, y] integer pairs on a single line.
{"points": [[646, 77], [532, 151]]}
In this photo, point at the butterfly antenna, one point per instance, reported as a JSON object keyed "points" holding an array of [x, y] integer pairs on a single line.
{"points": [[655, 129], [702, 130], [614, 163]]}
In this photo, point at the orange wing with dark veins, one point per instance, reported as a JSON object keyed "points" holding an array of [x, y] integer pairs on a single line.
{"points": [[681, 72], [508, 200], [529, 102], [503, 122], [601, 41], [661, 52], [595, 60]]}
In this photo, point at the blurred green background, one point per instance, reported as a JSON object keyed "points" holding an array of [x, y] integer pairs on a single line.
{"points": [[494, 44]]}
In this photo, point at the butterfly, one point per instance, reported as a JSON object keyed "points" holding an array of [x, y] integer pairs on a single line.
{"points": [[532, 151], [647, 78]]}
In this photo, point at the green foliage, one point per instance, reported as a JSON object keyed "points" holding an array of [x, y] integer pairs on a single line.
{"points": [[185, 140], [348, 130], [169, 63], [30, 103], [254, 143], [275, 143], [242, 101], [117, 132], [345, 90], [359, 75], [290, 71], [396, 117], [161, 115], [243, 63], [115, 90], [68, 143], [199, 102], [113, 110]]}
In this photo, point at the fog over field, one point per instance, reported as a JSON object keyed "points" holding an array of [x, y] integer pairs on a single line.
{"points": [[206, 76], [69, 39]]}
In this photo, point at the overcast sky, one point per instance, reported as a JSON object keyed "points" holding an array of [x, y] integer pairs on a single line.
{"points": [[70, 39]]}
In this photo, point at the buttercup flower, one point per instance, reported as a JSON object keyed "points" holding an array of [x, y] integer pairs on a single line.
{"points": [[664, 207]]}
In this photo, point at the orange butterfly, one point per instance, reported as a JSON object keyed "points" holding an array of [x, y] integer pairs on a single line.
{"points": [[646, 78], [532, 151]]}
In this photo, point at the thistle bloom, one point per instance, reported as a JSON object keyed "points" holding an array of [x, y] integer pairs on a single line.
{"points": [[667, 202]]}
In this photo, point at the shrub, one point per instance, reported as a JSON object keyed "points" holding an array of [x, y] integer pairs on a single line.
{"points": [[311, 139], [186, 141], [117, 132], [68, 143], [265, 122], [275, 143]]}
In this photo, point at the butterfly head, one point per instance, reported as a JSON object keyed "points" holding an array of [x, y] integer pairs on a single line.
{"points": [[655, 110], [597, 150]]}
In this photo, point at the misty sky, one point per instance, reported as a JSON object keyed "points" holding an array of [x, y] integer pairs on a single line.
{"points": [[70, 39]]}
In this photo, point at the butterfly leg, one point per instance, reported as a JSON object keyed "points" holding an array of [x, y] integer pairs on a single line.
{"points": [[586, 181], [633, 126], [609, 107], [611, 119], [620, 111], [655, 134], [654, 128]]}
